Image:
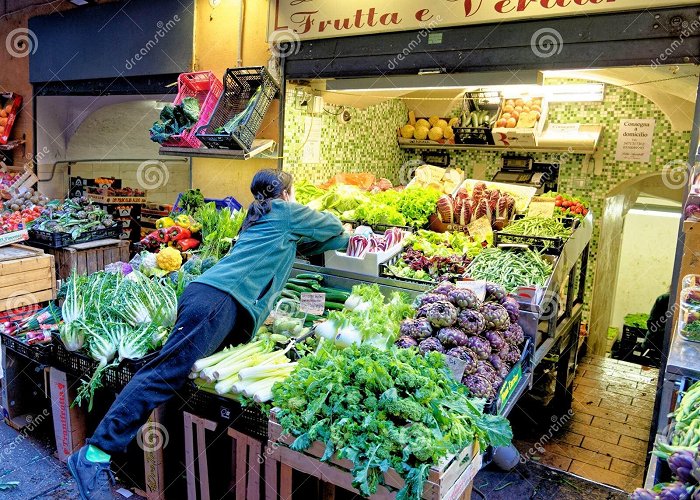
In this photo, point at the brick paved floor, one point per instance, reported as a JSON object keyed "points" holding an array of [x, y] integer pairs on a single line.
{"points": [[606, 437]]}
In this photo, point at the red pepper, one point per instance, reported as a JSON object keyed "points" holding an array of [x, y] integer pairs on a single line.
{"points": [[187, 244], [177, 233]]}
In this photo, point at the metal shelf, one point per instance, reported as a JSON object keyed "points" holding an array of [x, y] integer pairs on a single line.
{"points": [[259, 147], [488, 147]]}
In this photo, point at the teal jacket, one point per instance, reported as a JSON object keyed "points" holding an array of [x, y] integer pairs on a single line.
{"points": [[256, 269]]}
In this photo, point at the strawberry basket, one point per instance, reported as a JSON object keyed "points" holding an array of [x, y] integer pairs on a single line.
{"points": [[206, 88]]}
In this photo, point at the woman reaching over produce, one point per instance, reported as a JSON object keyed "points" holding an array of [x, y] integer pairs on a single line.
{"points": [[227, 303]]}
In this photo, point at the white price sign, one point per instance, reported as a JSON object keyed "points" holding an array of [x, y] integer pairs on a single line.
{"points": [[312, 303]]}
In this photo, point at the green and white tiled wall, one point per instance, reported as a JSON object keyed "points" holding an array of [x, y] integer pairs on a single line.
{"points": [[368, 143]]}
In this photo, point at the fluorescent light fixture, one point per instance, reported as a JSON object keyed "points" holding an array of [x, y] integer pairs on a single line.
{"points": [[655, 213], [81, 2], [583, 92]]}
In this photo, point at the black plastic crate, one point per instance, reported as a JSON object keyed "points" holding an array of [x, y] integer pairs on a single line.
{"points": [[40, 353], [546, 244], [60, 240], [117, 377], [474, 101], [240, 85], [249, 420]]}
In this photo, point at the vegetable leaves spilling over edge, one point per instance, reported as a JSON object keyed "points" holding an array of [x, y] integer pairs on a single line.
{"points": [[383, 409]]}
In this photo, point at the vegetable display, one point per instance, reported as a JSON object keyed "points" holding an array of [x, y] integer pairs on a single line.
{"points": [[485, 336], [112, 316], [510, 268], [36, 328], [381, 409], [538, 226], [362, 243], [175, 119], [566, 205], [219, 229], [191, 201], [463, 207], [685, 435], [28, 200], [637, 320], [75, 216]]}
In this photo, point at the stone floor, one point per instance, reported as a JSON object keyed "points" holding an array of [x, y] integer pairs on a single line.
{"points": [[605, 437]]}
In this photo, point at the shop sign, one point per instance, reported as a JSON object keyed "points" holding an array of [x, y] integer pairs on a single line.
{"points": [[312, 19], [634, 140]]}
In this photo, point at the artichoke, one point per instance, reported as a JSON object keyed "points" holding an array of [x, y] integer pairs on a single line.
{"points": [[404, 342], [499, 365], [431, 344], [478, 386], [514, 334], [512, 308], [496, 316], [511, 355], [419, 328], [495, 292], [464, 299], [466, 355], [495, 339], [486, 370], [430, 298], [682, 464], [452, 337], [480, 346], [674, 491], [439, 313], [444, 288], [471, 322], [642, 494]]}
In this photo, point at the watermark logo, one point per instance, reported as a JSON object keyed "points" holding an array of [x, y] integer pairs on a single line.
{"points": [[284, 43], [408, 170], [546, 42], [675, 174], [162, 29], [687, 30], [21, 42], [152, 174], [415, 42], [152, 436], [558, 422], [23, 302]]}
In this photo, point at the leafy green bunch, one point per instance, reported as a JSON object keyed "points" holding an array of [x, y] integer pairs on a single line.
{"points": [[382, 409]]}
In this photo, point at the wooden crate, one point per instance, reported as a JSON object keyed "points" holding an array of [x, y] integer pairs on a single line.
{"points": [[27, 277], [451, 479], [89, 257]]}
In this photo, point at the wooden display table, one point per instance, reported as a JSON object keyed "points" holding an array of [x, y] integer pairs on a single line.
{"points": [[451, 479]]}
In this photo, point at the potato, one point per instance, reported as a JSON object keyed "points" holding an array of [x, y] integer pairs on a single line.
{"points": [[407, 131]]}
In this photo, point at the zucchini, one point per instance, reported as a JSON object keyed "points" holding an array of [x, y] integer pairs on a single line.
{"points": [[307, 283], [333, 295], [334, 305], [475, 119], [297, 288], [309, 276], [313, 317], [289, 294]]}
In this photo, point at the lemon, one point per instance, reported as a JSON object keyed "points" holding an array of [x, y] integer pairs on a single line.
{"points": [[442, 124], [433, 120], [407, 131], [435, 134], [420, 132], [422, 123]]}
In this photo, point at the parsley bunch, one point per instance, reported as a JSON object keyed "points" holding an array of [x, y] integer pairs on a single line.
{"points": [[383, 409]]}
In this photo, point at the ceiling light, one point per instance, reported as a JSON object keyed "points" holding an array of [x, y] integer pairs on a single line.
{"points": [[81, 2]]}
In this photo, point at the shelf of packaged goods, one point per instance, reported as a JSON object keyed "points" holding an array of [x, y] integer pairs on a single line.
{"points": [[259, 148]]}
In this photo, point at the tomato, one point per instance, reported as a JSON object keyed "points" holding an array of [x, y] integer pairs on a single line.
{"points": [[559, 197], [566, 203], [584, 212]]}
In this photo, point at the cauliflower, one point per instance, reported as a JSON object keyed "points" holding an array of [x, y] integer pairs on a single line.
{"points": [[169, 259]]}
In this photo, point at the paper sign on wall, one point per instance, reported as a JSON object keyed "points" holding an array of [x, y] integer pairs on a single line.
{"points": [[540, 207], [311, 152], [634, 140], [312, 303]]}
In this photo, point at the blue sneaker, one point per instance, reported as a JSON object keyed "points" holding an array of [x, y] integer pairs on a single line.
{"points": [[94, 479]]}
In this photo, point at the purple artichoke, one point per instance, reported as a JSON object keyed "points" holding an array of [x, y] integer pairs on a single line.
{"points": [[478, 386], [642, 494], [444, 288], [496, 316], [404, 342], [430, 298], [514, 334], [498, 364], [495, 339], [495, 292], [431, 344], [471, 322], [464, 299], [486, 370], [674, 491], [452, 337], [466, 355], [511, 355], [480, 346], [682, 464], [419, 328], [511, 306], [439, 313]]}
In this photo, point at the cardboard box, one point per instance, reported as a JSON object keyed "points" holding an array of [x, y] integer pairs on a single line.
{"points": [[68, 423], [523, 137]]}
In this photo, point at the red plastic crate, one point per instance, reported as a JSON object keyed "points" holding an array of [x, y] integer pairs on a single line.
{"points": [[206, 88], [15, 101]]}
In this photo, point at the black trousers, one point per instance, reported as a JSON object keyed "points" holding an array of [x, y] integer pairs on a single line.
{"points": [[205, 318]]}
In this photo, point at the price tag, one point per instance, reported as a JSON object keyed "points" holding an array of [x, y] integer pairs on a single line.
{"points": [[456, 366], [563, 129], [476, 286], [481, 229], [312, 303], [540, 207]]}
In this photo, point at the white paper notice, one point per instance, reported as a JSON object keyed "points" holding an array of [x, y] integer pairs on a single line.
{"points": [[634, 140], [312, 148]]}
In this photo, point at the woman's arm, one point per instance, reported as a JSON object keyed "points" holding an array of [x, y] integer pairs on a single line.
{"points": [[317, 231]]}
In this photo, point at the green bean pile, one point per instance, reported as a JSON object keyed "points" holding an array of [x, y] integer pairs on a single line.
{"points": [[538, 226], [511, 269]]}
